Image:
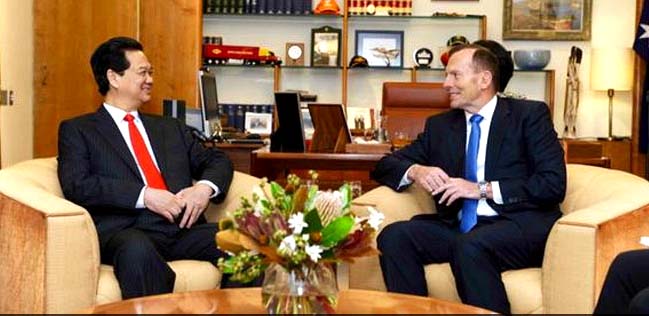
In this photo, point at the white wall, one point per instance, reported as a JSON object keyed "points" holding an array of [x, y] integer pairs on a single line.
{"points": [[613, 25], [16, 73]]}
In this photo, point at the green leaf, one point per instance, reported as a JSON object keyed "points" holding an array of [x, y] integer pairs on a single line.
{"points": [[336, 231], [310, 200], [276, 190], [328, 254], [346, 192], [227, 265], [313, 220]]}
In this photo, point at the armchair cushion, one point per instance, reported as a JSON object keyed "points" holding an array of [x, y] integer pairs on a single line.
{"points": [[605, 213]]}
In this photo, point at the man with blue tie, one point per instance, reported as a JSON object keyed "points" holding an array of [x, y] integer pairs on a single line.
{"points": [[494, 167], [134, 174]]}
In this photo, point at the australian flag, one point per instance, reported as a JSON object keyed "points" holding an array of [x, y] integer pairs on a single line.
{"points": [[641, 47]]}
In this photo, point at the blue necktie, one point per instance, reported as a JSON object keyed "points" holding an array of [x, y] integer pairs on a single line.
{"points": [[470, 206]]}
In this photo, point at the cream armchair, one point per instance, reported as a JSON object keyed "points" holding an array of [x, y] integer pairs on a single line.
{"points": [[49, 251], [605, 212]]}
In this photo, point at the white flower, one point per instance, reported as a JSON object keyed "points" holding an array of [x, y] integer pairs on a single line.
{"points": [[297, 223], [376, 218], [288, 245], [313, 252]]}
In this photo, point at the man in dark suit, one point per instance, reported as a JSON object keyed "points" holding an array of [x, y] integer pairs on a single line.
{"points": [[133, 173], [626, 288], [495, 169]]}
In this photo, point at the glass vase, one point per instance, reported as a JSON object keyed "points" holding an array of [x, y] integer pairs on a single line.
{"points": [[308, 289]]}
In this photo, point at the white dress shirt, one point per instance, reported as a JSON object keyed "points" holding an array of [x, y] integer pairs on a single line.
{"points": [[487, 112], [118, 116]]}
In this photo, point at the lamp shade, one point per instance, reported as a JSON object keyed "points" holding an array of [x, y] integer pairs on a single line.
{"points": [[611, 68]]}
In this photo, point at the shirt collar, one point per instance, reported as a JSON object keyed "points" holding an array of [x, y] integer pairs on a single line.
{"points": [[487, 111], [118, 114]]}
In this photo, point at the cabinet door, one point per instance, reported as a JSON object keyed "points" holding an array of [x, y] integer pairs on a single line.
{"points": [[65, 35], [171, 34]]}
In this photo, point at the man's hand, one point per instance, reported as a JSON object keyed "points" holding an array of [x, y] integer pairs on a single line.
{"points": [[429, 178], [457, 188], [196, 199], [163, 202]]}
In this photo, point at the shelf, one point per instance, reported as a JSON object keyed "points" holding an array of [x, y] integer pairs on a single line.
{"points": [[272, 17], [415, 17]]}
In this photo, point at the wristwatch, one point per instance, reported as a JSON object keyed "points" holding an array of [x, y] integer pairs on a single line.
{"points": [[482, 186]]}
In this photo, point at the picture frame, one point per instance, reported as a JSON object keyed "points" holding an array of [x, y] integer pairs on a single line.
{"points": [[547, 20], [258, 123], [380, 48], [325, 47]]}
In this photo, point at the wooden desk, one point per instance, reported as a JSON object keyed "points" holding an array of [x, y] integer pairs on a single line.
{"points": [[248, 301], [333, 169], [239, 154]]}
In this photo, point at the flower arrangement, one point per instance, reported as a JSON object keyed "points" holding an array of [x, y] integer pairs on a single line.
{"points": [[297, 227]]}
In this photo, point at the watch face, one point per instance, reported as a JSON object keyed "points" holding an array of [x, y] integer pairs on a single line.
{"points": [[295, 52]]}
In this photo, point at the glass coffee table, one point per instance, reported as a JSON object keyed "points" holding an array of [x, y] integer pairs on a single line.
{"points": [[248, 301]]}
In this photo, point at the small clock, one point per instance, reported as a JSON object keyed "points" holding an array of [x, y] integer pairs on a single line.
{"points": [[423, 57], [295, 54]]}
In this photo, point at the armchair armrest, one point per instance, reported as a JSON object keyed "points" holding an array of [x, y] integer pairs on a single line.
{"points": [[365, 273], [397, 206], [49, 246], [608, 216], [241, 185]]}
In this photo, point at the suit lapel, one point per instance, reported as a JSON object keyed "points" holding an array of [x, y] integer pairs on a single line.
{"points": [[157, 140], [457, 141], [496, 134], [107, 128]]}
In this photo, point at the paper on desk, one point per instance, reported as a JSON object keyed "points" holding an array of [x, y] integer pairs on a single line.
{"points": [[644, 240], [361, 140]]}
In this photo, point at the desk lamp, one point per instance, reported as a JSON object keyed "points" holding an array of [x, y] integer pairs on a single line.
{"points": [[611, 69]]}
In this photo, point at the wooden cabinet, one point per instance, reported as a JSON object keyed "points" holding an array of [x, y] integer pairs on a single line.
{"points": [[67, 32], [618, 151]]}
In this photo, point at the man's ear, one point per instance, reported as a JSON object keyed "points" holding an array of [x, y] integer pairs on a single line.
{"points": [[486, 80], [113, 78]]}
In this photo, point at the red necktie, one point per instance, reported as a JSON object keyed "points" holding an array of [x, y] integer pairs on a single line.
{"points": [[151, 173]]}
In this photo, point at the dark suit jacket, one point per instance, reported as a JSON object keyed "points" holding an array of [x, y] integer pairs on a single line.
{"points": [[523, 155], [97, 170]]}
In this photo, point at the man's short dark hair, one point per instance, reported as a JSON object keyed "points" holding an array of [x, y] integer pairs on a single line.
{"points": [[483, 59], [504, 61], [110, 55]]}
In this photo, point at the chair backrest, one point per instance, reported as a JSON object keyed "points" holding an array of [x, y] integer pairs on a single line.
{"points": [[408, 104], [593, 187]]}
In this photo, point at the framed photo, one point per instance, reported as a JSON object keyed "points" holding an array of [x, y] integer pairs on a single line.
{"points": [[325, 47], [380, 48], [548, 20], [259, 123]]}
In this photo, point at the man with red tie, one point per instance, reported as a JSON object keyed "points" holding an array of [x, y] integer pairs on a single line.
{"points": [[134, 173]]}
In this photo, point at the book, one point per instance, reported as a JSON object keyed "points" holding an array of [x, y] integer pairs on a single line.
{"points": [[308, 6], [261, 6], [298, 6]]}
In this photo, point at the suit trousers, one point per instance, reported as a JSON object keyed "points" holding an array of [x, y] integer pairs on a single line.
{"points": [[139, 256], [626, 288], [477, 258]]}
